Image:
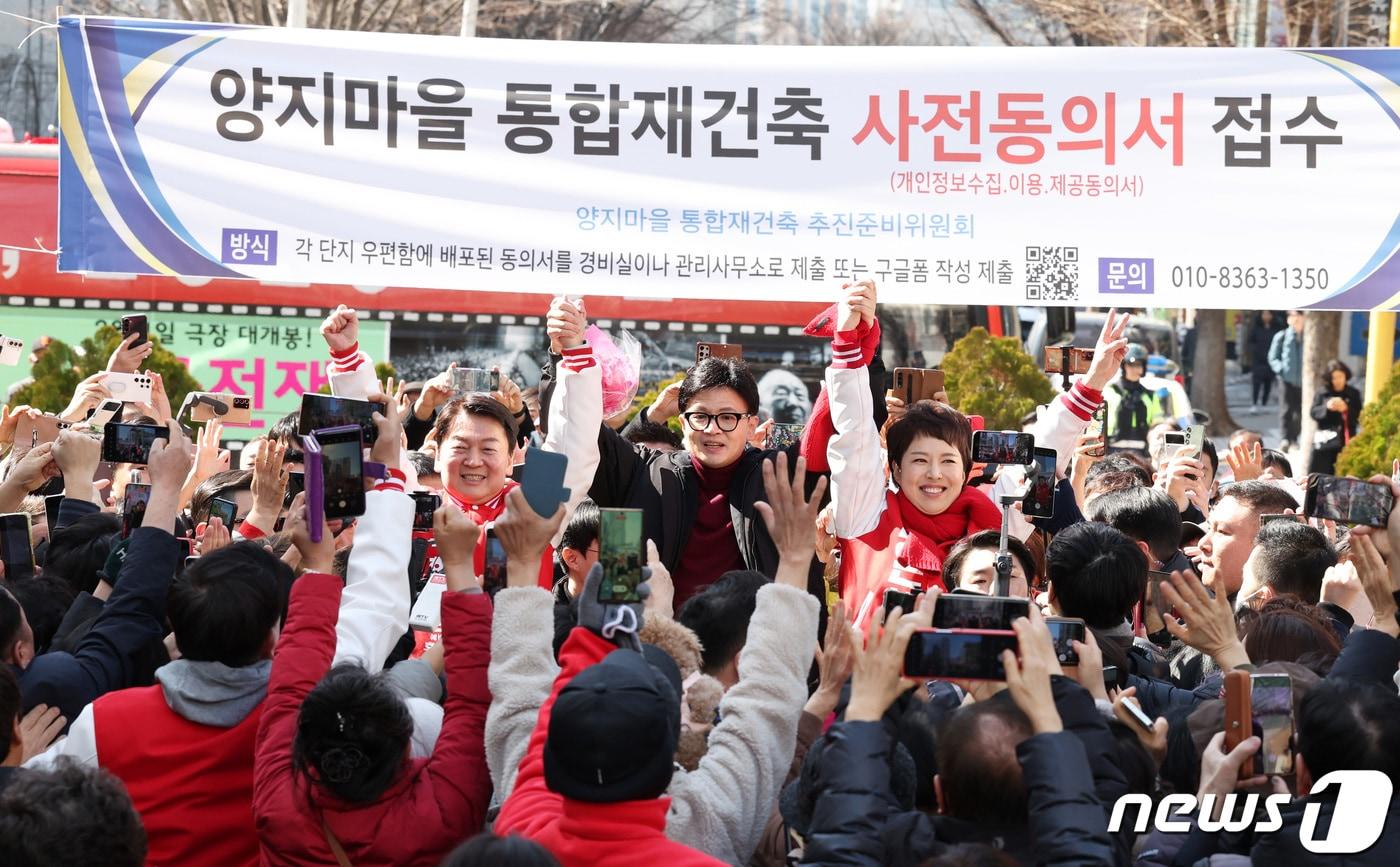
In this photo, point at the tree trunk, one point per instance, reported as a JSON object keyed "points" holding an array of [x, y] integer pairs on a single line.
{"points": [[1320, 338], [1208, 372]]}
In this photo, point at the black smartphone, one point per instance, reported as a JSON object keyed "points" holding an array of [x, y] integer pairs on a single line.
{"points": [[1039, 501], [320, 411], [620, 553], [1064, 631], [1271, 704], [1110, 677], [1002, 447], [224, 510], [958, 654], [134, 503], [493, 572], [136, 324], [51, 506], [975, 611], [16, 546], [1348, 501], [425, 504], [131, 443], [542, 481], [296, 483], [342, 468], [895, 598]]}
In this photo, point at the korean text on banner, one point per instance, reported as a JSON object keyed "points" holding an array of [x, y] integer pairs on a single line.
{"points": [[1151, 177]]}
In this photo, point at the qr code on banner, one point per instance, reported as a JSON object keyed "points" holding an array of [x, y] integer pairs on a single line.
{"points": [[1052, 273]]}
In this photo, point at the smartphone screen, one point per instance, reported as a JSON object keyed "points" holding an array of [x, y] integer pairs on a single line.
{"points": [[1002, 447], [342, 468], [473, 380], [542, 481], [898, 599], [135, 324], [130, 443], [620, 552], [975, 611], [1098, 425], [296, 483], [781, 436], [1064, 631], [493, 574], [958, 654], [321, 411], [1348, 501], [51, 506], [425, 504], [224, 510], [1271, 702], [1039, 501], [134, 504], [16, 546]]}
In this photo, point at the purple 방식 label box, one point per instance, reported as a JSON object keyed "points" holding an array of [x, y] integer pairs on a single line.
{"points": [[1125, 276], [249, 247]]}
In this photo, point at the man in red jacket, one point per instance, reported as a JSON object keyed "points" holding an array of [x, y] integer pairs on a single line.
{"points": [[590, 787]]}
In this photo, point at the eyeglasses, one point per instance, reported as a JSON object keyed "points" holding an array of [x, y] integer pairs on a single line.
{"points": [[727, 421]]}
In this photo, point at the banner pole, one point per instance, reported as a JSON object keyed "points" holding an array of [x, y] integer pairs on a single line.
{"points": [[1380, 344]]}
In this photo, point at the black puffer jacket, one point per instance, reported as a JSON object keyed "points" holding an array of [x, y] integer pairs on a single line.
{"points": [[1069, 776]]}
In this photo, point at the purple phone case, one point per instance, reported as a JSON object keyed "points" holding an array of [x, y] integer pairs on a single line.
{"points": [[315, 486]]}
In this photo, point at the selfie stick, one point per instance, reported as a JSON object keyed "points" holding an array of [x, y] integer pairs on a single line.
{"points": [[1003, 562]]}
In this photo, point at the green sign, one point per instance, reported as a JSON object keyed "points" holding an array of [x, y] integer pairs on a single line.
{"points": [[272, 359]]}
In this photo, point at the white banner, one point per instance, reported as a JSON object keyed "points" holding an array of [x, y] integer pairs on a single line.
{"points": [[1139, 177]]}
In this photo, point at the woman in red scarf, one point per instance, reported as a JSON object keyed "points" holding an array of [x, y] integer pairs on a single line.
{"points": [[894, 537]]}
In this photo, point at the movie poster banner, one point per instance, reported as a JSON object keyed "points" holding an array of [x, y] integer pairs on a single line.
{"points": [[1094, 177]]}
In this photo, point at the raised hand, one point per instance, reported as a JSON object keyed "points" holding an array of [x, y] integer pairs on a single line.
{"points": [[835, 661], [9, 418], [169, 467], [213, 536], [525, 537], [456, 536], [1109, 351], [341, 329], [790, 516], [1028, 679], [663, 590], [269, 485], [857, 305], [1206, 624], [509, 396], [565, 325], [1376, 581], [89, 394], [667, 404], [39, 729], [877, 677], [1246, 461], [315, 556], [388, 445], [436, 392], [128, 359]]}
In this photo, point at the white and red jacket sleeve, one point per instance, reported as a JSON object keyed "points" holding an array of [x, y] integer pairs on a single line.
{"points": [[858, 482], [374, 605], [1058, 427], [575, 417], [352, 375]]}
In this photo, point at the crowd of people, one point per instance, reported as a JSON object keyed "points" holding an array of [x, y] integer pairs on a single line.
{"points": [[291, 690]]}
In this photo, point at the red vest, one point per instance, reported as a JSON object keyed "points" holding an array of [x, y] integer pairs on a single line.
{"points": [[191, 783]]}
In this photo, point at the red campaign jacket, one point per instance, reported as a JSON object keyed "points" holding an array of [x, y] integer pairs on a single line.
{"points": [[191, 783], [432, 806], [581, 834]]}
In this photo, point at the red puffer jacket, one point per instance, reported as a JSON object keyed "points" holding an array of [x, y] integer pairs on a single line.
{"points": [[433, 805]]}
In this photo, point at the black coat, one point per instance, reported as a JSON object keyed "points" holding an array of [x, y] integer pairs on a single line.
{"points": [[1334, 421], [1069, 775], [1261, 337]]}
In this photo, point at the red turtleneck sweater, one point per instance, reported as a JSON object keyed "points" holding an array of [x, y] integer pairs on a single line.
{"points": [[712, 549]]}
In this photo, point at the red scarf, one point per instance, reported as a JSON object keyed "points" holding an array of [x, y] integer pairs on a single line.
{"points": [[932, 536]]}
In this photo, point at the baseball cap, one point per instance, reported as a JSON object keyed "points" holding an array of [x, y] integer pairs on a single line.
{"points": [[613, 731]]}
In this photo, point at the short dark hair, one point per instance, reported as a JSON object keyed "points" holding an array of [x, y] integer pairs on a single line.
{"points": [[1333, 366], [1144, 514], [45, 600], [1292, 557], [978, 770], [216, 486], [70, 814], [1263, 498], [643, 432], [10, 707], [79, 550], [582, 529], [226, 603], [1242, 435], [353, 731], [720, 373], [719, 615], [987, 540], [286, 430], [935, 420], [488, 850], [1208, 449], [1095, 573], [478, 404], [423, 464], [1350, 725], [1278, 460], [1287, 629]]}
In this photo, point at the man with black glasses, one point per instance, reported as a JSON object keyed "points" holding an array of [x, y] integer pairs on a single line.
{"points": [[700, 504]]}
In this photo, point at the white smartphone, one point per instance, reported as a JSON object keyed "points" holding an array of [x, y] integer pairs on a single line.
{"points": [[11, 350], [129, 387]]}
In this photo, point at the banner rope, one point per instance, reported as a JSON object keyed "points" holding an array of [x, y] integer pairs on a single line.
{"points": [[32, 32], [39, 249]]}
